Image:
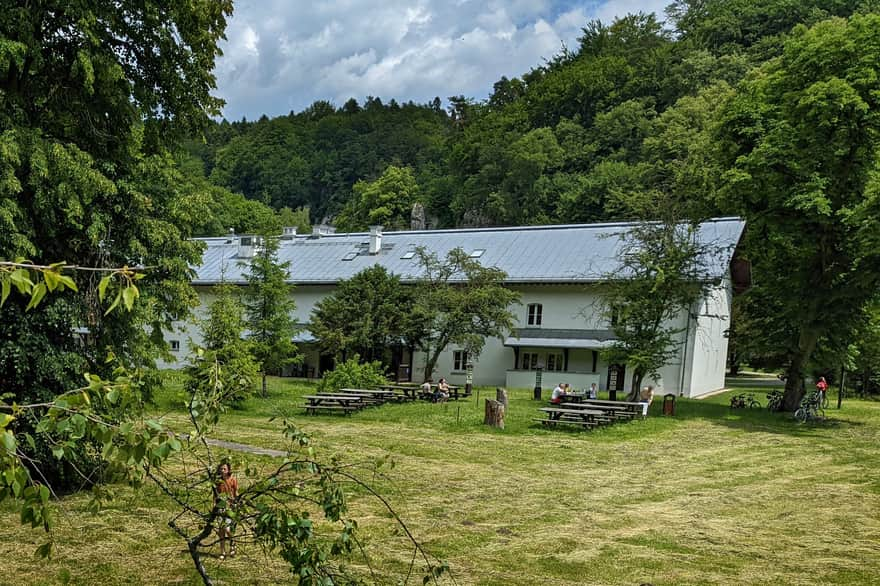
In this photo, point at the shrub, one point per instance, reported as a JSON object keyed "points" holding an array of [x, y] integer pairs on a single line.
{"points": [[351, 374]]}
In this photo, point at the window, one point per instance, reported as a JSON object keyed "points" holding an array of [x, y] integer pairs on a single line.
{"points": [[459, 360], [350, 256], [175, 345], [477, 253], [534, 316], [530, 361], [408, 254], [555, 362]]}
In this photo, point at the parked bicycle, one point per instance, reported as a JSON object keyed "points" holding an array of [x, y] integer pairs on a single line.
{"points": [[774, 401], [743, 400], [811, 408]]}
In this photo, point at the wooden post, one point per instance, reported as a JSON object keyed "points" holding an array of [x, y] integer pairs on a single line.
{"points": [[501, 397], [494, 414]]}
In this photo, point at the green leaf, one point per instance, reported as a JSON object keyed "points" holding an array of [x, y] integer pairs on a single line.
{"points": [[51, 278], [44, 551], [36, 296], [113, 305], [9, 441], [58, 452], [5, 289], [44, 493], [22, 281], [68, 282], [102, 287], [5, 419], [129, 294]]}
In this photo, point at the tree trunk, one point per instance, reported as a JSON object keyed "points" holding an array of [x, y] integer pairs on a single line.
{"points": [[494, 414], [265, 390], [501, 397], [794, 381], [636, 387]]}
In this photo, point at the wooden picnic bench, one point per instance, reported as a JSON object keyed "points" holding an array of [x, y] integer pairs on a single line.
{"points": [[613, 411], [584, 417], [637, 408], [346, 403], [375, 395]]}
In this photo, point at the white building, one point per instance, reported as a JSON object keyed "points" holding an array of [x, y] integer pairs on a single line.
{"points": [[559, 271]]}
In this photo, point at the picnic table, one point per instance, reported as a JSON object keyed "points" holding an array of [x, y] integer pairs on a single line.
{"points": [[414, 391], [586, 418], [612, 411], [378, 395], [637, 408], [410, 392], [345, 402]]}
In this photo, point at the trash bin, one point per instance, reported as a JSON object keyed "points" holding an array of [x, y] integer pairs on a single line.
{"points": [[612, 394], [669, 404], [537, 393]]}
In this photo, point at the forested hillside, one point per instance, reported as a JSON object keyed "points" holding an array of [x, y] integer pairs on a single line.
{"points": [[629, 111]]}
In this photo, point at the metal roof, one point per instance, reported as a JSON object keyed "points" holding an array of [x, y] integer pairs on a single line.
{"points": [[581, 253]]}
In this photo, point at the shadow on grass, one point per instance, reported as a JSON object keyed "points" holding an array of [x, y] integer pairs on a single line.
{"points": [[760, 420]]}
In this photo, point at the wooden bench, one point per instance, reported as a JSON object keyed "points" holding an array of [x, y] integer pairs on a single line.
{"points": [[334, 402], [313, 409], [611, 411], [554, 422]]}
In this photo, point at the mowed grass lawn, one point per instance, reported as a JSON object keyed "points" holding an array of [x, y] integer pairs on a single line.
{"points": [[709, 496]]}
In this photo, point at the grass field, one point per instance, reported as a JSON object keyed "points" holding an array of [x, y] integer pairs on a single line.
{"points": [[709, 496]]}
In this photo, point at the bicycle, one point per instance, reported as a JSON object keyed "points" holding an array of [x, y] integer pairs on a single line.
{"points": [[743, 400], [810, 409], [774, 401]]}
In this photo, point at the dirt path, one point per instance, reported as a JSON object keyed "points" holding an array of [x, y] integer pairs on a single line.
{"points": [[236, 447]]}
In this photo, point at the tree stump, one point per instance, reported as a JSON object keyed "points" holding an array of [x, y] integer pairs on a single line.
{"points": [[494, 414], [501, 397]]}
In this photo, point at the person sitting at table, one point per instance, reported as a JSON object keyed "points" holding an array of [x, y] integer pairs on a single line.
{"points": [[558, 394], [426, 388], [441, 395], [593, 393]]}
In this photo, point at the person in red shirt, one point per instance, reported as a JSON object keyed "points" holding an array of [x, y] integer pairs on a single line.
{"points": [[227, 488], [822, 386]]}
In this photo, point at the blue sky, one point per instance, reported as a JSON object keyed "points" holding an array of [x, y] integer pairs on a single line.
{"points": [[282, 55]]}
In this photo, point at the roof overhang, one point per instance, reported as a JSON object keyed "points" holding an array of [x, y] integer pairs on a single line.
{"points": [[589, 344]]}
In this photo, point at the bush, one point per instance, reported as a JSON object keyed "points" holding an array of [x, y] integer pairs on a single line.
{"points": [[351, 374]]}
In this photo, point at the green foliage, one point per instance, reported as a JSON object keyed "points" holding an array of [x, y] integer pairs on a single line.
{"points": [[461, 302], [659, 278], [799, 143], [367, 315], [354, 374], [269, 310], [386, 202], [225, 364]]}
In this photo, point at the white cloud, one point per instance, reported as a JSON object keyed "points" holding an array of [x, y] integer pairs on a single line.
{"points": [[283, 55]]}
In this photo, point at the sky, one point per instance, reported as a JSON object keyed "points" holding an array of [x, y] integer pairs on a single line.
{"points": [[283, 55]]}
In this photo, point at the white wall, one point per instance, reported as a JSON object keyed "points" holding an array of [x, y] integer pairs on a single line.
{"points": [[708, 360], [704, 347]]}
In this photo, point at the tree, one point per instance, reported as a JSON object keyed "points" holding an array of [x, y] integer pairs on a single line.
{"points": [[800, 142], [367, 315], [224, 346], [270, 309], [462, 303], [92, 96], [659, 277], [387, 201]]}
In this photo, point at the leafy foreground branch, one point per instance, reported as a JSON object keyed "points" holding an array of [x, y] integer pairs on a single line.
{"points": [[286, 508]]}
